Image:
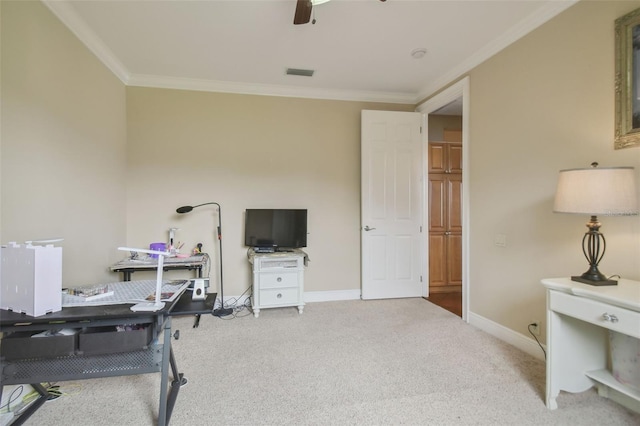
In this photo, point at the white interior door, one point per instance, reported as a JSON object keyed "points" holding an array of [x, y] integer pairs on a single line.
{"points": [[392, 191]]}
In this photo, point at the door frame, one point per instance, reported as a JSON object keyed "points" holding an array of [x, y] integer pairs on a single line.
{"points": [[460, 89]]}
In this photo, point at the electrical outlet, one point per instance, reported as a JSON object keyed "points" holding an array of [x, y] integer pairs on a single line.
{"points": [[534, 328]]}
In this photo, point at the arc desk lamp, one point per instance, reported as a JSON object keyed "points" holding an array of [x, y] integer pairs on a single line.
{"points": [[221, 311]]}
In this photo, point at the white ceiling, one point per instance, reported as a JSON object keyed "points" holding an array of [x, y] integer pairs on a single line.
{"points": [[359, 49]]}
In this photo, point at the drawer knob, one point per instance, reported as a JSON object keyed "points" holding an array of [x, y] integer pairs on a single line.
{"points": [[609, 317], [280, 296], [279, 279]]}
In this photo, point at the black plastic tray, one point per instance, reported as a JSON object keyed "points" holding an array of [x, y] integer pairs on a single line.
{"points": [[107, 340]]}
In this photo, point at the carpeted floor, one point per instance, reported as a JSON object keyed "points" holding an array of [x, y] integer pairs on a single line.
{"points": [[384, 362]]}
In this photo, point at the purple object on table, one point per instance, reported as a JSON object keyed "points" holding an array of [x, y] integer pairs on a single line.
{"points": [[157, 247]]}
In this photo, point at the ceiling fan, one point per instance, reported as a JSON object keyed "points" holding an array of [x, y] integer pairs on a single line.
{"points": [[303, 10]]}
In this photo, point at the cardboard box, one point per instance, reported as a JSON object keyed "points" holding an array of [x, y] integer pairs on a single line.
{"points": [[450, 135], [625, 359]]}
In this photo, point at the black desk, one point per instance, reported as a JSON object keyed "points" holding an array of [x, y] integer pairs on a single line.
{"points": [[186, 306], [155, 357]]}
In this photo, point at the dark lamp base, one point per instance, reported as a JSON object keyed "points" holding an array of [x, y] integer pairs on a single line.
{"points": [[603, 282], [222, 312]]}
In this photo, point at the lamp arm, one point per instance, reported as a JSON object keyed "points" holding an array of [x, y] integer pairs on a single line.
{"points": [[219, 217], [206, 204]]}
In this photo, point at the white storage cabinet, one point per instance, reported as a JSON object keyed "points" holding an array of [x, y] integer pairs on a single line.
{"points": [[278, 280]]}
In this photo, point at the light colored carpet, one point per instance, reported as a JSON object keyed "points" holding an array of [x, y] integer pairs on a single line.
{"points": [[382, 362]]}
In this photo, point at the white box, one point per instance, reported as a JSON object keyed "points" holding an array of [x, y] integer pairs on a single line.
{"points": [[625, 359], [31, 279]]}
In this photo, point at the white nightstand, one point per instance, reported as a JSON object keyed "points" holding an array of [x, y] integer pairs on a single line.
{"points": [[278, 280], [579, 318]]}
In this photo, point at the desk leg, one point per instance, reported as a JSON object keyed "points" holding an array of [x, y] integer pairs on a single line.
{"points": [[167, 401], [178, 380], [166, 359], [34, 406]]}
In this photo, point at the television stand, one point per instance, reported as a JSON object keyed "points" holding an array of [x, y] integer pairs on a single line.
{"points": [[278, 280]]}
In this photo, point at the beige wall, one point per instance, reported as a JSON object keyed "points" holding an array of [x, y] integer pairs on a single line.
{"points": [[242, 151], [438, 124], [63, 143], [545, 103]]}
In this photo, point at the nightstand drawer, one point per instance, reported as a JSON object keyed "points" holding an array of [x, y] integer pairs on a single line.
{"points": [[278, 263], [285, 279], [279, 297], [598, 313]]}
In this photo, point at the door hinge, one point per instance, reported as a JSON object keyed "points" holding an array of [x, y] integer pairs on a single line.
{"points": [[420, 129], [420, 228], [420, 278]]}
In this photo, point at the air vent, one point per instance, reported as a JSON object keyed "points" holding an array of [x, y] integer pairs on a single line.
{"points": [[303, 73]]}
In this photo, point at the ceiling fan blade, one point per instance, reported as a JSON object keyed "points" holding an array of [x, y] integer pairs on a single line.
{"points": [[303, 12]]}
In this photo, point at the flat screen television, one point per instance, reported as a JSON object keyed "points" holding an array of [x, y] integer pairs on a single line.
{"points": [[275, 229]]}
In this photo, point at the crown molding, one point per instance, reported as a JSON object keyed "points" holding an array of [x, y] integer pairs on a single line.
{"points": [[68, 16], [522, 28], [205, 85]]}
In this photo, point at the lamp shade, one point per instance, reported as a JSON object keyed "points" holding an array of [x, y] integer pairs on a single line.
{"points": [[606, 191]]}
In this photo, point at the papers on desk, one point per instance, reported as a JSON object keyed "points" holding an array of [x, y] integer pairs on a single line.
{"points": [[130, 292]]}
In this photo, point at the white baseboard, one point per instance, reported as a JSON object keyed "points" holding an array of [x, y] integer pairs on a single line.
{"points": [[309, 296], [232, 300], [331, 296], [507, 335]]}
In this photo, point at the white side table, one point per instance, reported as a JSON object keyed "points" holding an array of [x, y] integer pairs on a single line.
{"points": [[579, 318], [278, 280]]}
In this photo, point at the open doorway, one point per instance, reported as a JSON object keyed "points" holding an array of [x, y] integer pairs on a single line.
{"points": [[446, 198], [444, 203]]}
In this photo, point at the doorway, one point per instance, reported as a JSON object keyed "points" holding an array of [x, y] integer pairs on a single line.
{"points": [[453, 296], [444, 190]]}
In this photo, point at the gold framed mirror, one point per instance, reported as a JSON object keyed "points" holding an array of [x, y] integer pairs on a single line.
{"points": [[627, 85]]}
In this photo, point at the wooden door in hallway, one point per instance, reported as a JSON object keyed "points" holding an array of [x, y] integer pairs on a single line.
{"points": [[445, 217]]}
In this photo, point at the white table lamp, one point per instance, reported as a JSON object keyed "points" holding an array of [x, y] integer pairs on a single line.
{"points": [[608, 191]]}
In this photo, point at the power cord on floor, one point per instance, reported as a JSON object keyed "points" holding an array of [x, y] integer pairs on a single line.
{"points": [[535, 324], [6, 408], [239, 310], [54, 392]]}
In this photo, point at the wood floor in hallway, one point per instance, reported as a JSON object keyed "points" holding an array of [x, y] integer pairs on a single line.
{"points": [[452, 302]]}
